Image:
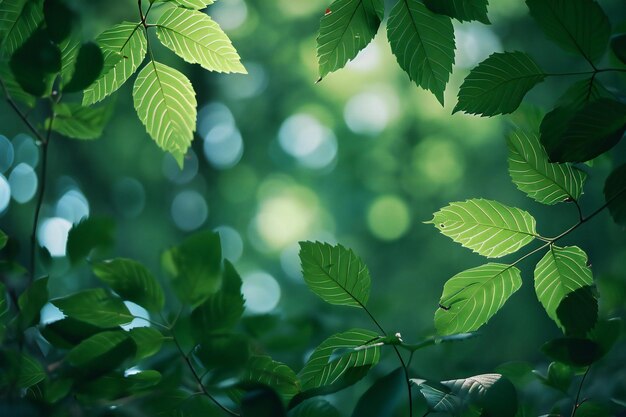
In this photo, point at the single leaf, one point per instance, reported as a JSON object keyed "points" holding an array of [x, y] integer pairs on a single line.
{"points": [[68, 332], [166, 104], [461, 10], [519, 373], [223, 351], [315, 408], [339, 361], [197, 39], [16, 92], [191, 4], [124, 48], [423, 43], [148, 341], [615, 194], [69, 53], [582, 92], [573, 351], [32, 301], [571, 135], [102, 352], [593, 409], [487, 227], [618, 45], [262, 401], [560, 376], [472, 297], [59, 19], [18, 20], [20, 369], [87, 68], [560, 272], [35, 62], [81, 122], [132, 281], [534, 175], [278, 376], [346, 28], [90, 234], [381, 398], [578, 26], [95, 307], [498, 84], [606, 333], [578, 312], [335, 273]]}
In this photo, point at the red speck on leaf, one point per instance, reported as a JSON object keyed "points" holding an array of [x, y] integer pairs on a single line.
{"points": [[328, 11]]}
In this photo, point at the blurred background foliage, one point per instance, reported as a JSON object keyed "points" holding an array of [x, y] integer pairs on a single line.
{"points": [[362, 158]]}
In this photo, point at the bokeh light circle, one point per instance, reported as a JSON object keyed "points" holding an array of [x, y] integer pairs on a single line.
{"points": [[5, 193], [261, 291], [23, 182], [232, 244], [189, 210], [388, 217], [52, 235], [7, 154]]}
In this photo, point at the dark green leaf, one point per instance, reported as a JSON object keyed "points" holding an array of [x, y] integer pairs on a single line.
{"points": [[618, 45], [102, 352], [461, 10], [78, 122], [89, 64], [593, 409], [578, 136], [3, 239], [35, 62], [132, 281], [346, 28], [615, 194], [20, 369], [68, 332], [606, 333], [91, 233], [572, 351], [69, 52], [195, 267], [262, 402], [223, 351], [115, 385], [148, 341], [382, 398], [560, 376], [59, 19], [578, 311], [18, 20], [314, 408], [519, 373], [12, 86], [582, 92], [578, 26], [265, 371], [498, 84], [423, 43], [32, 301], [95, 307], [57, 389]]}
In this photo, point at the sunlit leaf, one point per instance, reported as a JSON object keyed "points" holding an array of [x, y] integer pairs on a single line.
{"points": [[498, 84], [423, 43], [90, 234], [340, 361], [335, 273], [346, 28], [32, 301], [578, 26], [103, 351], [265, 371], [472, 297], [532, 173], [491, 393], [487, 227], [381, 398], [87, 68], [69, 53], [618, 45], [462, 10], [124, 48], [95, 307], [560, 272], [18, 20], [81, 122], [166, 104], [197, 39], [615, 194], [132, 281], [191, 4]]}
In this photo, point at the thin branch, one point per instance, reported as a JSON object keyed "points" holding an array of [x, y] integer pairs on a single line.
{"points": [[580, 387], [21, 115]]}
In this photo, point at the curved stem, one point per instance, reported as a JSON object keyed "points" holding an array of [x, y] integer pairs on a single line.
{"points": [[580, 387]]}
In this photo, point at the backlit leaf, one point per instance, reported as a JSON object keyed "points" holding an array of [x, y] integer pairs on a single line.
{"points": [[487, 227], [462, 10], [560, 272], [532, 173], [578, 26], [615, 194], [197, 39], [132, 281], [263, 370], [87, 68], [335, 273], [423, 43], [191, 4], [498, 84], [95, 307], [166, 104], [79, 122], [472, 297], [345, 30], [18, 20], [124, 48], [340, 361]]}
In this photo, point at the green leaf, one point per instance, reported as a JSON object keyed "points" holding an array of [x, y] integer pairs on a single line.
{"points": [[472, 297], [335, 273], [221, 351], [148, 341], [487, 227], [578, 26], [20, 369], [606, 333], [582, 92], [573, 351], [69, 53], [615, 194], [95, 307], [340, 361], [381, 398], [91, 233], [124, 48], [618, 45], [87, 68], [347, 28], [195, 267], [68, 332], [519, 373], [534, 175], [315, 408], [102, 352], [14, 89], [578, 312], [166, 104], [197, 39], [78, 122], [498, 84], [423, 44], [18, 20], [491, 393], [571, 135], [59, 19], [461, 10], [593, 409], [32, 301], [560, 272], [560, 376], [278, 376], [132, 281], [35, 62], [191, 4], [3, 239]]}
